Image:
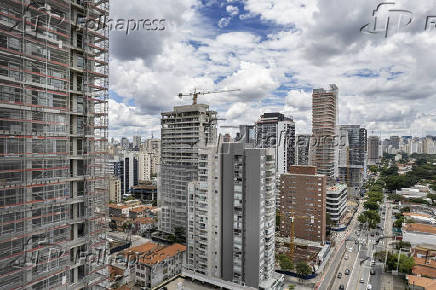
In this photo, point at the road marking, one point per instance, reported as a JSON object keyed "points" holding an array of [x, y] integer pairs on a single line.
{"points": [[354, 266]]}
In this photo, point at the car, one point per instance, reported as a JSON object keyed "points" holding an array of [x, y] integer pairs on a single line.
{"points": [[347, 272], [350, 250], [346, 257], [361, 280], [377, 233], [356, 242], [369, 287], [341, 287], [372, 234], [372, 272], [372, 262], [339, 275]]}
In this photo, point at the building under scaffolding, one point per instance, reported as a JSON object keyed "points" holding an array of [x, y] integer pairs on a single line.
{"points": [[183, 131], [53, 142]]}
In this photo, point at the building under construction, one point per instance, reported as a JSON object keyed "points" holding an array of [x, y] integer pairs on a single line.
{"points": [[53, 142], [183, 131]]}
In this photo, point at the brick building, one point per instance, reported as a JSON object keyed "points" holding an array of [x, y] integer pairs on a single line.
{"points": [[303, 197]]}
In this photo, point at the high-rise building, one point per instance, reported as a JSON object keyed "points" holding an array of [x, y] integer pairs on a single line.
{"points": [[303, 198], [248, 215], [136, 142], [114, 189], [204, 215], [149, 157], [324, 120], [336, 202], [183, 131], [373, 150], [125, 144], [129, 174], [303, 149], [53, 129], [352, 156], [231, 216], [274, 130], [395, 142]]}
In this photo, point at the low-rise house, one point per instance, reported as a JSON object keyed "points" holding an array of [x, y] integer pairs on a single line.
{"points": [[419, 234], [420, 283], [425, 262], [144, 224], [119, 210], [160, 265], [153, 264], [420, 217]]}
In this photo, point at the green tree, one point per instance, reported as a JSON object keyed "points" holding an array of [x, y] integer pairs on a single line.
{"points": [[113, 225], [285, 262], [405, 209], [179, 234], [371, 205], [399, 222], [362, 218], [406, 264], [303, 269], [432, 196], [373, 168]]}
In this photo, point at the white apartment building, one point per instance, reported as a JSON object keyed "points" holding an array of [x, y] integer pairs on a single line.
{"points": [[336, 203], [204, 216], [114, 189], [231, 216]]}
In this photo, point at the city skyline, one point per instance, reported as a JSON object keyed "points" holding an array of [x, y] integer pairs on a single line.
{"points": [[271, 53]]}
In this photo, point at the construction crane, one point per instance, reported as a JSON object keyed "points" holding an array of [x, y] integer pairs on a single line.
{"points": [[195, 94], [292, 231]]}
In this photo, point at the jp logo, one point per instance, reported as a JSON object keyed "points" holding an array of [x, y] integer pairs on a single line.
{"points": [[383, 19]]}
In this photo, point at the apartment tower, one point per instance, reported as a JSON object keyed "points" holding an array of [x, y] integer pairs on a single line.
{"points": [[373, 150], [324, 120], [274, 130], [303, 199], [352, 156], [183, 131], [53, 143]]}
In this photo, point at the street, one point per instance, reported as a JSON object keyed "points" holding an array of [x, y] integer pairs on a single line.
{"points": [[358, 258]]}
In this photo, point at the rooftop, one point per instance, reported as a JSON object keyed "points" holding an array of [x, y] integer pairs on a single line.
{"points": [[426, 283], [162, 253], [420, 228], [145, 220], [412, 214]]}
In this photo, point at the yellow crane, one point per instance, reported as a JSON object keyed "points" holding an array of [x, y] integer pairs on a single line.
{"points": [[292, 230], [196, 93]]}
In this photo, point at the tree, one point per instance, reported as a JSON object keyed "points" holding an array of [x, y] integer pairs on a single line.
{"points": [[371, 204], [405, 209], [113, 225], [179, 234], [362, 218], [432, 196], [399, 222], [277, 219], [285, 262], [373, 168], [303, 269], [406, 264]]}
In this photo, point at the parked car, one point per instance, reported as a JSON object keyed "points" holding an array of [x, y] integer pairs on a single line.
{"points": [[361, 280], [347, 272], [339, 275]]}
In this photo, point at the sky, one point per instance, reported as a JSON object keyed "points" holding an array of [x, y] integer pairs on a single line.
{"points": [[275, 52]]}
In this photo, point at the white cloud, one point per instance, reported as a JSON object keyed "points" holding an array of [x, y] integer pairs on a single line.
{"points": [[232, 10], [312, 43], [223, 22]]}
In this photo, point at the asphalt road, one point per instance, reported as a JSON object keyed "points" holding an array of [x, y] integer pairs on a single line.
{"points": [[338, 258], [358, 258]]}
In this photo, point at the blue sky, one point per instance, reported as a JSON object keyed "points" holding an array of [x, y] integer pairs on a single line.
{"points": [[275, 52]]}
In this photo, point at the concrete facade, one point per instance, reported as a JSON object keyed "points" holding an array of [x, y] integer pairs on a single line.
{"points": [[303, 198]]}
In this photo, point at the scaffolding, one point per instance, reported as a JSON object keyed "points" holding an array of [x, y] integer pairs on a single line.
{"points": [[53, 142]]}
